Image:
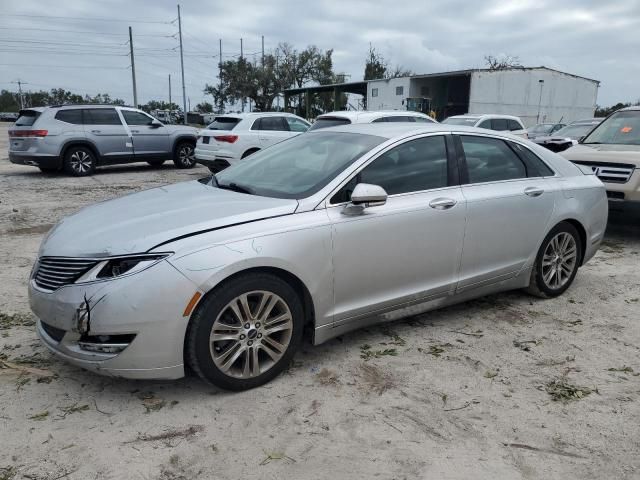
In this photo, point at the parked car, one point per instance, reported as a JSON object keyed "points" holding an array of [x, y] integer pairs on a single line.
{"points": [[8, 116], [568, 136], [232, 137], [612, 150], [79, 138], [500, 123], [543, 129], [347, 117], [335, 229]]}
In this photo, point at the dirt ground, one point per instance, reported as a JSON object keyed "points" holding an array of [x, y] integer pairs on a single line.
{"points": [[465, 392]]}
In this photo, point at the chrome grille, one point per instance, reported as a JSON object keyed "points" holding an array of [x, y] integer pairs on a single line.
{"points": [[55, 272], [611, 172]]}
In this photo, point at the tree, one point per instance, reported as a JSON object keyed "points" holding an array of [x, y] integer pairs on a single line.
{"points": [[375, 66], [159, 105], [605, 111], [504, 62], [204, 107]]}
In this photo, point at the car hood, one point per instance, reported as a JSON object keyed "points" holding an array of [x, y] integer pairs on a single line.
{"points": [[140, 221], [604, 152]]}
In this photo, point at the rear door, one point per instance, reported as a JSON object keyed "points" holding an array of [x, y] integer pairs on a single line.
{"points": [[150, 142], [509, 204], [103, 127], [271, 130]]}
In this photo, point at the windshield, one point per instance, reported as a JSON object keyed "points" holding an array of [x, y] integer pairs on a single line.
{"points": [[621, 128], [541, 128], [299, 167], [329, 122], [573, 132], [223, 123], [469, 122]]}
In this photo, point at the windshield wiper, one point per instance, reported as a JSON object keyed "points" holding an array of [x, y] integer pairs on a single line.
{"points": [[235, 187]]}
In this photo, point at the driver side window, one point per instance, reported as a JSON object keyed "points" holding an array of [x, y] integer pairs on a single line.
{"points": [[414, 166]]}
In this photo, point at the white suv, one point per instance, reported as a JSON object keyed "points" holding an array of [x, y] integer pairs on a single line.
{"points": [[232, 137], [333, 119], [500, 123]]}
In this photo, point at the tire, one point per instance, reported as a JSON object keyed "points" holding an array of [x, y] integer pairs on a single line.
{"points": [[249, 152], [155, 163], [183, 155], [79, 161], [557, 262], [249, 357]]}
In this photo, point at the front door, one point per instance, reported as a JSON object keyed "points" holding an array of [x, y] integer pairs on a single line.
{"points": [[150, 142], [408, 250], [509, 204], [103, 127]]}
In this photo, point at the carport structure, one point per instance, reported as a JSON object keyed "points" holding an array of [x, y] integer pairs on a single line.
{"points": [[359, 88]]}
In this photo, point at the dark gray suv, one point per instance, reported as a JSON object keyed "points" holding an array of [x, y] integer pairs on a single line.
{"points": [[79, 138]]}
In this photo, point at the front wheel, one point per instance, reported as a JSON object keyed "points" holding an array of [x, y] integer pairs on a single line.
{"points": [[184, 156], [557, 262], [245, 332]]}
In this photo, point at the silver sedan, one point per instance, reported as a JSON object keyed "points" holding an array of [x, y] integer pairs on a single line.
{"points": [[335, 229]]}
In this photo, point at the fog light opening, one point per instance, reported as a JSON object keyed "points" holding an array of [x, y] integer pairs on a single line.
{"points": [[105, 343]]}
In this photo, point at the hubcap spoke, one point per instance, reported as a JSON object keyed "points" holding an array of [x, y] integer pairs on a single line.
{"points": [[559, 260]]}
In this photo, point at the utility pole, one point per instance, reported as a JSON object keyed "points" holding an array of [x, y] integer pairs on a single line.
{"points": [[133, 70], [241, 52], [184, 94], [220, 77], [541, 82], [19, 82], [170, 107], [263, 52]]}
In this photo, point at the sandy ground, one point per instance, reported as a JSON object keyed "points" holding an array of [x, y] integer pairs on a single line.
{"points": [[464, 396]]}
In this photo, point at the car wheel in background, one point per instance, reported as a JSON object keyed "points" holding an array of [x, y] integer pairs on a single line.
{"points": [[245, 332], [184, 156], [155, 163], [79, 161], [557, 262]]}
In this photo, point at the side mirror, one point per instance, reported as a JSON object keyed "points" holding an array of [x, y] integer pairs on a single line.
{"points": [[156, 123], [365, 195]]}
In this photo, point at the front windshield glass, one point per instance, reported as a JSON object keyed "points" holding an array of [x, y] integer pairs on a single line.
{"points": [[469, 122], [299, 167], [573, 132], [621, 128], [541, 128]]}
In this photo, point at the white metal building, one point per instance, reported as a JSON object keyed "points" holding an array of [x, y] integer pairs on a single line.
{"points": [[533, 94]]}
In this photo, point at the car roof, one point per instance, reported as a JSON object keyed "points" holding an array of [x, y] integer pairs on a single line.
{"points": [[486, 115], [249, 115], [587, 121], [633, 107], [406, 129], [364, 115]]}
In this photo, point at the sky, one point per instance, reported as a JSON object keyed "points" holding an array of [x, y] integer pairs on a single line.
{"points": [[81, 45]]}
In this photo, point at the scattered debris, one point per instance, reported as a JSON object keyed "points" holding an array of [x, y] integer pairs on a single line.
{"points": [[366, 353], [466, 404], [623, 369], [436, 350], [270, 456], [327, 377], [477, 333], [550, 362], [543, 450], [378, 380], [7, 473], [490, 374], [39, 416], [574, 323], [562, 391], [525, 345], [169, 434], [15, 320], [14, 367], [150, 402], [73, 409]]}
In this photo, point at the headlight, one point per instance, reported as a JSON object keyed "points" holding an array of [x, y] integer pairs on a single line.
{"points": [[118, 266]]}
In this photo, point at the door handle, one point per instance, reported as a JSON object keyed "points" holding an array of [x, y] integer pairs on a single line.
{"points": [[135, 131], [96, 131], [533, 191], [442, 203]]}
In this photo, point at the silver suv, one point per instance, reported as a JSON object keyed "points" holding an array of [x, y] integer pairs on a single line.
{"points": [[79, 138]]}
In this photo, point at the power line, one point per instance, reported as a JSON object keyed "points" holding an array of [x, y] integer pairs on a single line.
{"points": [[60, 66], [86, 32], [89, 19]]}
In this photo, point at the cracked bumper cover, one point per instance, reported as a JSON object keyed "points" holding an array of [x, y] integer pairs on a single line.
{"points": [[148, 304]]}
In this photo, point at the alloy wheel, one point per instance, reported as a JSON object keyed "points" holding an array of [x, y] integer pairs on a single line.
{"points": [[81, 161], [559, 260], [251, 334], [186, 155]]}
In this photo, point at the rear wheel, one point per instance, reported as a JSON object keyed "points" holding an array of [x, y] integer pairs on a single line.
{"points": [[557, 262], [79, 161], [155, 163], [183, 156], [245, 332]]}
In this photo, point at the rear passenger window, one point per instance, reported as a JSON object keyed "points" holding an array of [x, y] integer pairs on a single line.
{"points": [[411, 167], [499, 124], [101, 116], [514, 125], [400, 118], [491, 160], [535, 166], [486, 124], [70, 116], [270, 123], [422, 120]]}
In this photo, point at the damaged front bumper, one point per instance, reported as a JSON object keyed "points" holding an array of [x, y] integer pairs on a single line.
{"points": [[131, 327]]}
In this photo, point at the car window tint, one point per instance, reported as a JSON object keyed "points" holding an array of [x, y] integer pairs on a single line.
{"points": [[136, 118], [329, 122], [535, 166], [411, 167], [101, 116], [514, 125], [485, 124], [491, 160], [422, 120], [27, 118], [400, 118], [499, 124], [379, 120], [296, 125], [272, 123], [70, 116]]}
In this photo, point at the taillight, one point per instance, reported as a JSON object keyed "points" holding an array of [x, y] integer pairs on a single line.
{"points": [[226, 138], [28, 133]]}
